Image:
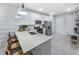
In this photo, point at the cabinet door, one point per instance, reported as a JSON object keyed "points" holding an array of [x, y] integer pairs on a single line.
{"points": [[46, 48], [43, 49], [37, 50]]}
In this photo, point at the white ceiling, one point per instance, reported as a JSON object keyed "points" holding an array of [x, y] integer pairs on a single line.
{"points": [[50, 8], [55, 8], [7, 10]]}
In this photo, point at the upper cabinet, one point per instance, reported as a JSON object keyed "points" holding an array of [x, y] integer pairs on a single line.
{"points": [[32, 17]]}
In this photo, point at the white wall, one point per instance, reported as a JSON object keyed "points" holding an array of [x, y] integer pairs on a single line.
{"points": [[59, 24], [65, 24], [7, 20]]}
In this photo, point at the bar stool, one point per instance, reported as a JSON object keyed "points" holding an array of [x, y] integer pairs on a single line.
{"points": [[14, 48], [19, 52], [13, 51], [12, 45], [28, 53], [13, 38], [7, 51]]}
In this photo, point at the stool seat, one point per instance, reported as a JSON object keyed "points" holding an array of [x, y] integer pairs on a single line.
{"points": [[13, 40], [15, 45], [28, 53], [19, 52]]}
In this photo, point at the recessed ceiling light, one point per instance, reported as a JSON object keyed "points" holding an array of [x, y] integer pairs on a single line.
{"points": [[69, 9], [40, 9]]}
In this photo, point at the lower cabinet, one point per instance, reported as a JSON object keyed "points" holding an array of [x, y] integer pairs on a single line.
{"points": [[36, 51], [43, 49]]}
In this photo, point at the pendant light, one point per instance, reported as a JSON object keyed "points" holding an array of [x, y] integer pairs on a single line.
{"points": [[18, 16], [22, 11]]}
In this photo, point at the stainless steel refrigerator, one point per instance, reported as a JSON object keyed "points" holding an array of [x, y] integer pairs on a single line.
{"points": [[48, 27]]}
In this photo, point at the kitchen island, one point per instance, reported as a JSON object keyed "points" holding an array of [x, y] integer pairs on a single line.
{"points": [[37, 43]]}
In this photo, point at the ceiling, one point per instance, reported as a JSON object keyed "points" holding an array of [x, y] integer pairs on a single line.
{"points": [[50, 8]]}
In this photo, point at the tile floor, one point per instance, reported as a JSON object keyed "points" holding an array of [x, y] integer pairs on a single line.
{"points": [[60, 45], [2, 47]]}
